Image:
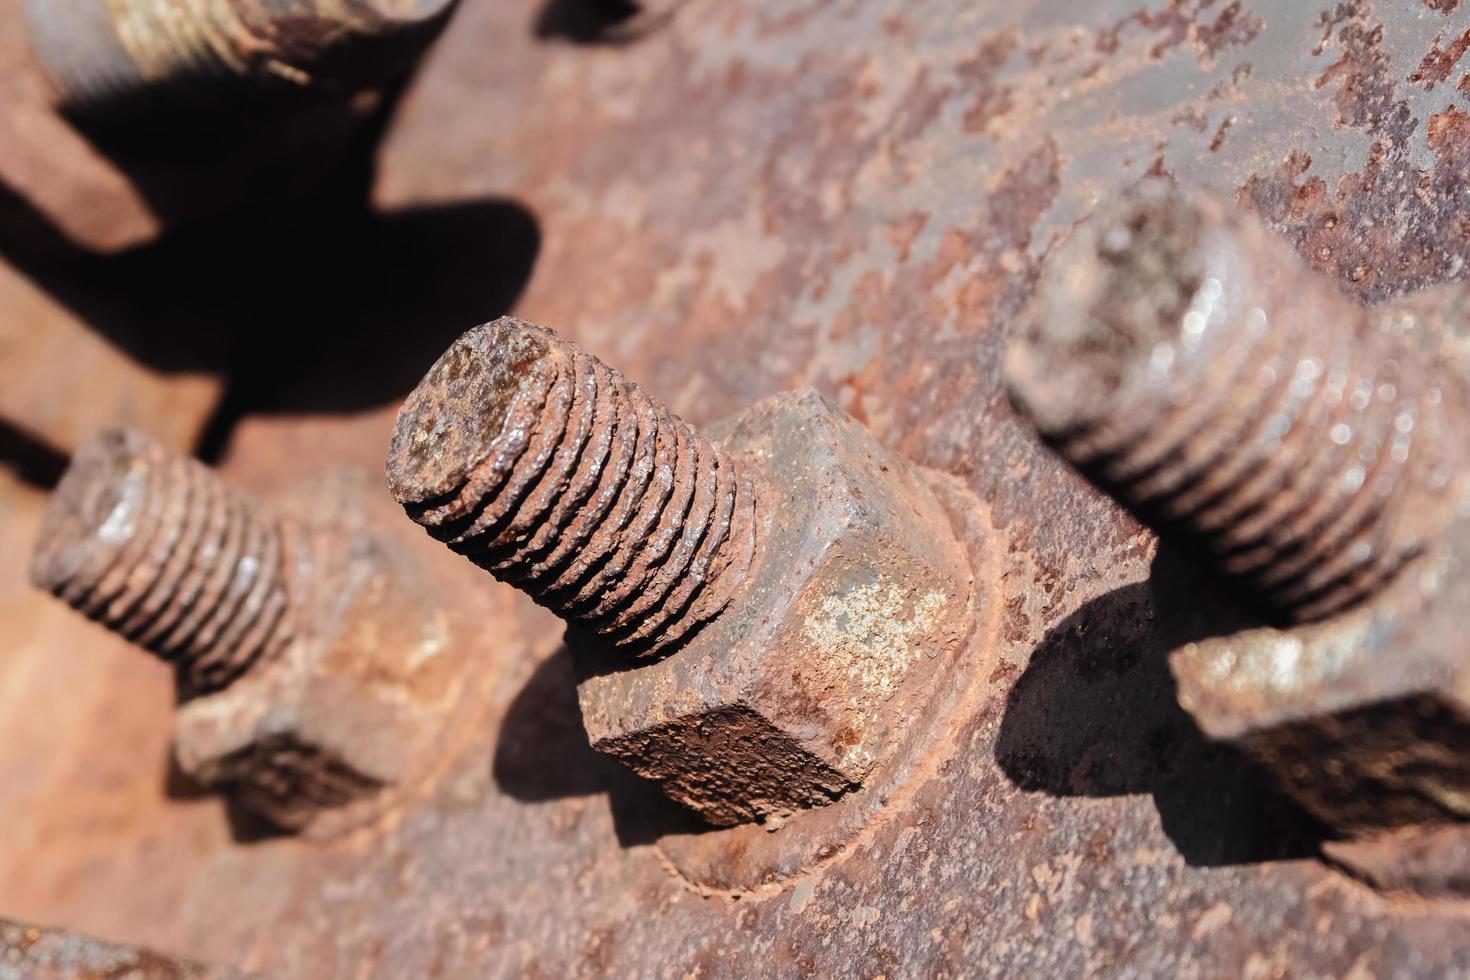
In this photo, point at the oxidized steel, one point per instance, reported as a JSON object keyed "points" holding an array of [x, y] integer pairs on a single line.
{"points": [[160, 550], [758, 196], [790, 631], [797, 693], [1364, 717], [549, 470], [314, 673], [32, 953], [1182, 358], [105, 52]]}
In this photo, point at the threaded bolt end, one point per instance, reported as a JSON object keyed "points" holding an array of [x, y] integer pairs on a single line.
{"points": [[158, 549], [550, 470], [104, 52], [1187, 362]]}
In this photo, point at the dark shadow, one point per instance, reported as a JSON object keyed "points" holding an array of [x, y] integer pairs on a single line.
{"points": [[583, 21], [543, 754], [246, 826], [31, 460], [335, 313], [309, 302], [249, 827], [350, 315], [611, 22], [27, 236], [1095, 714], [179, 785]]}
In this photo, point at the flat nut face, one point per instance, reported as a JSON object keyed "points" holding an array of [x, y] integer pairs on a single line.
{"points": [[792, 696], [1364, 717]]}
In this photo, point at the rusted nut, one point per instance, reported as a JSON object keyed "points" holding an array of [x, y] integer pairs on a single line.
{"points": [[753, 616], [1188, 363], [101, 53], [314, 673], [1366, 716]]}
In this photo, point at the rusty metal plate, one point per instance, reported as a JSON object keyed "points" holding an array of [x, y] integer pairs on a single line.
{"points": [[753, 196]]}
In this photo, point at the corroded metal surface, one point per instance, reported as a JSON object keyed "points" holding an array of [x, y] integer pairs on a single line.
{"points": [[505, 451], [806, 684], [1305, 447], [754, 652], [32, 953], [753, 197], [162, 551]]}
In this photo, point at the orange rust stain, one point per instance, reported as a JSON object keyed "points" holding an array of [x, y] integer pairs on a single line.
{"points": [[1439, 62]]}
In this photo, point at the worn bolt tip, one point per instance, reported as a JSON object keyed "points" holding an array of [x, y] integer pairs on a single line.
{"points": [[452, 419], [1111, 305], [95, 508], [106, 53], [411, 10]]}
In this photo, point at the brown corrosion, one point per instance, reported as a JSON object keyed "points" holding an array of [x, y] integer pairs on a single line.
{"points": [[1361, 717], [160, 550], [856, 603], [38, 953], [1181, 357], [551, 471], [855, 196], [105, 52], [312, 669]]}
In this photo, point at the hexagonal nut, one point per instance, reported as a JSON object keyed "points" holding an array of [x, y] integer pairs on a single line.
{"points": [[1364, 718], [359, 706], [807, 681]]}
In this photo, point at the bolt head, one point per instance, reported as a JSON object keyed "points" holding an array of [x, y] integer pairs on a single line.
{"points": [[796, 691]]}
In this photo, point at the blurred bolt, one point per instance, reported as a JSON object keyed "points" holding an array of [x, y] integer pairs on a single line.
{"points": [[158, 549], [1185, 360], [314, 670], [104, 52]]}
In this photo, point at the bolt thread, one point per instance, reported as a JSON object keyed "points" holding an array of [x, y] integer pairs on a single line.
{"points": [[103, 52], [157, 548], [551, 471], [1184, 360]]}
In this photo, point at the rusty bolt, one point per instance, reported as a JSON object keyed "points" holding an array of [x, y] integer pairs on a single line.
{"points": [[549, 470], [104, 52], [159, 550], [1187, 362], [1183, 359], [312, 669], [755, 619]]}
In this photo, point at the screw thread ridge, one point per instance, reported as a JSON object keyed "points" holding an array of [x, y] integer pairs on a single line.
{"points": [[1224, 393], [557, 475], [158, 549], [101, 52]]}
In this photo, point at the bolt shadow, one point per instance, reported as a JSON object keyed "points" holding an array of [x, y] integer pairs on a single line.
{"points": [[543, 754], [246, 826], [306, 303], [1096, 714], [609, 22], [29, 459]]}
